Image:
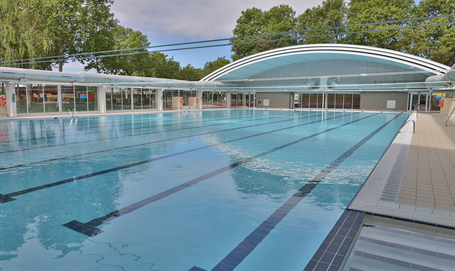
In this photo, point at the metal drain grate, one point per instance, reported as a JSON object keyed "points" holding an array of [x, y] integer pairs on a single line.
{"points": [[393, 184]]}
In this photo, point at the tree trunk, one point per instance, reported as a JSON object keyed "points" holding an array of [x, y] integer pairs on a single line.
{"points": [[60, 61]]}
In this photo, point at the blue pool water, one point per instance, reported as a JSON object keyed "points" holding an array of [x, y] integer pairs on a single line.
{"points": [[210, 190]]}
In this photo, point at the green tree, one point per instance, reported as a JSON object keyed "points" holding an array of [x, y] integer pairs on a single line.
{"points": [[438, 41], [331, 14], [212, 66], [189, 73], [22, 34], [163, 67], [256, 22], [130, 62], [78, 26], [371, 11]]}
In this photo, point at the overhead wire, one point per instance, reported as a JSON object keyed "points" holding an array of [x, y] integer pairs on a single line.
{"points": [[92, 55]]}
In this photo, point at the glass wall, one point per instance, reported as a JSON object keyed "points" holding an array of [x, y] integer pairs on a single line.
{"points": [[50, 98], [21, 102], [37, 99], [236, 99], [92, 99], [334, 101], [144, 98], [211, 99], [67, 98]]}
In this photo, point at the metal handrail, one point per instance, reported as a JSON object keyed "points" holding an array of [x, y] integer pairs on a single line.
{"points": [[413, 126], [69, 112], [450, 115]]}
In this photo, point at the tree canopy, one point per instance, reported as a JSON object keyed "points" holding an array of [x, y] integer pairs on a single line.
{"points": [[328, 23]]}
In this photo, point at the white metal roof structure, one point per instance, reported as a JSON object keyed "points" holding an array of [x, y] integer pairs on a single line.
{"points": [[328, 67]]}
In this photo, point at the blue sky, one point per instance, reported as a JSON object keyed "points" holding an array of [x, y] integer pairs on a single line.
{"points": [[168, 21]]}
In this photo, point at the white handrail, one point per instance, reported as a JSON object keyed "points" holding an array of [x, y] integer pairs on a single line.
{"points": [[450, 115]]}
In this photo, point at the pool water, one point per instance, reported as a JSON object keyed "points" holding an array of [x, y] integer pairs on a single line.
{"points": [[206, 190]]}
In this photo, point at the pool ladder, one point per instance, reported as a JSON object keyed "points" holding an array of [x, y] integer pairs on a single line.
{"points": [[74, 116]]}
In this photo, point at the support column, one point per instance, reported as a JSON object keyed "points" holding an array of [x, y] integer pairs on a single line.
{"points": [[159, 99], [243, 99], [101, 95], [199, 96], [11, 109], [418, 102], [59, 98]]}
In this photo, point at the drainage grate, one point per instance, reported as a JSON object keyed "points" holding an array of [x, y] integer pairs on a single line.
{"points": [[393, 184]]}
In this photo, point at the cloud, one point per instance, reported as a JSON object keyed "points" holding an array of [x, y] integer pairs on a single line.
{"points": [[176, 21]]}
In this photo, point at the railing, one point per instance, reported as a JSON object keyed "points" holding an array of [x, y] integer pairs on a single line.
{"points": [[450, 115], [413, 125], [74, 116]]}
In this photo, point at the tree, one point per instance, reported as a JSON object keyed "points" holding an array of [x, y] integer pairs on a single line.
{"points": [[77, 26], [254, 22], [129, 62], [22, 35], [438, 40], [331, 14], [189, 73], [212, 66], [162, 67], [372, 11]]}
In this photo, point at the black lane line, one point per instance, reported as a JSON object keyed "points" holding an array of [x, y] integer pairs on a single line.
{"points": [[238, 254], [211, 118], [110, 138], [8, 197], [90, 229], [152, 142]]}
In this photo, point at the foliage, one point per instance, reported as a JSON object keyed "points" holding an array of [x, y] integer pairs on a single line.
{"points": [[331, 14], [130, 62], [22, 34], [212, 66], [254, 22]]}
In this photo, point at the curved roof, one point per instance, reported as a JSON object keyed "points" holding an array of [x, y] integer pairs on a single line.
{"points": [[256, 64]]}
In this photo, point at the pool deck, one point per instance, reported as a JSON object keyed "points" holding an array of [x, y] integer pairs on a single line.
{"points": [[415, 179]]}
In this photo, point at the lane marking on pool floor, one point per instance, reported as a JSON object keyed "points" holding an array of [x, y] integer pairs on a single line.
{"points": [[110, 138], [152, 142], [9, 196], [238, 254], [211, 119], [90, 229]]}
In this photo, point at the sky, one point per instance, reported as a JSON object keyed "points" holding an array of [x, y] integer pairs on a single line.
{"points": [[168, 21]]}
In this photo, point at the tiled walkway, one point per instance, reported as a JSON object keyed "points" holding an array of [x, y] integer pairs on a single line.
{"points": [[429, 177], [425, 190]]}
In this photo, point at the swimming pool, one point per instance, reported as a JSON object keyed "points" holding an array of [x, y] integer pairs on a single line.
{"points": [[206, 190]]}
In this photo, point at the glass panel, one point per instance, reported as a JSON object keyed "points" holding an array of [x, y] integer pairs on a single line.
{"points": [[67, 98], [138, 99], [36, 103], [51, 98], [152, 96], [221, 99], [167, 99], [435, 99], [207, 99], [305, 100], [331, 101], [347, 101], [356, 101], [108, 99], [92, 99], [339, 101], [116, 99], [126, 98], [80, 94], [314, 101], [233, 100], [21, 101]]}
